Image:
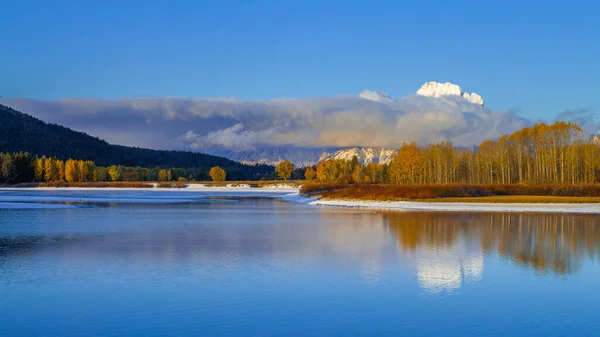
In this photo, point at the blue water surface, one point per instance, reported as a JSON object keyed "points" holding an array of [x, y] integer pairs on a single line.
{"points": [[118, 263]]}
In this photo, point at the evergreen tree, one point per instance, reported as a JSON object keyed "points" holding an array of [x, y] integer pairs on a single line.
{"points": [[1, 174], [9, 170]]}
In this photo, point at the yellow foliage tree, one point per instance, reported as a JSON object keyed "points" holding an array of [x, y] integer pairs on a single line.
{"points": [[60, 166], [284, 169], [310, 174], [114, 173], [51, 170], [217, 174], [83, 170], [71, 171], [38, 169]]}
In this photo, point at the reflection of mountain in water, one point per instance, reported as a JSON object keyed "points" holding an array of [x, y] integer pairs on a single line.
{"points": [[449, 248], [439, 270]]}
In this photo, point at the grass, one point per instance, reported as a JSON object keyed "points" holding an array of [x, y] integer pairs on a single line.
{"points": [[457, 193]]}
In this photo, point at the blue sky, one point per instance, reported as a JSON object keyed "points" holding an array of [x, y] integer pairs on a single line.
{"points": [[540, 59]]}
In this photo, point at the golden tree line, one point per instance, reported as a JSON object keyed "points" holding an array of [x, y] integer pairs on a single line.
{"points": [[24, 168], [555, 153]]}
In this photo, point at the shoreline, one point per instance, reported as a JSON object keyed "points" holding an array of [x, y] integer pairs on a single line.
{"points": [[244, 188], [291, 194], [579, 208]]}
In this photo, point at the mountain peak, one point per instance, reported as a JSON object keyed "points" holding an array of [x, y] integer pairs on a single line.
{"points": [[437, 89], [377, 96], [365, 155]]}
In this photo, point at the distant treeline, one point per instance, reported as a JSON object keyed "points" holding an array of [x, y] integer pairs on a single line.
{"points": [[543, 154], [24, 168]]}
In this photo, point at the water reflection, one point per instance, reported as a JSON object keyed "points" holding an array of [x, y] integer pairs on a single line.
{"points": [[443, 251], [450, 247]]}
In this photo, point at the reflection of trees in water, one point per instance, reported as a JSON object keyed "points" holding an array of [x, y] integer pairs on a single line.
{"points": [[556, 243]]}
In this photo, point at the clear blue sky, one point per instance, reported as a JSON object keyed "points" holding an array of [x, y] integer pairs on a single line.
{"points": [[540, 57]]}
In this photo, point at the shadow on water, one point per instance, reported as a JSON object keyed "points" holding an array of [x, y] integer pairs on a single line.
{"points": [[23, 245]]}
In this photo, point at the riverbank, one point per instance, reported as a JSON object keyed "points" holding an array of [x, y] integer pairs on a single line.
{"points": [[289, 193], [583, 208], [189, 187]]}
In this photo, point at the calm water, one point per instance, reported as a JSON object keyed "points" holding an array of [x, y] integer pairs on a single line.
{"points": [[148, 264]]}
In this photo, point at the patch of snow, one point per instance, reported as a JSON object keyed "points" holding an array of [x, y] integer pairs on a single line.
{"points": [[587, 208], [365, 155]]}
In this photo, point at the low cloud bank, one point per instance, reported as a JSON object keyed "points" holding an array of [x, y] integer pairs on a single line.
{"points": [[222, 124]]}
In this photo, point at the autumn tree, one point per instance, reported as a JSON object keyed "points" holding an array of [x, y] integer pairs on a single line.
{"points": [[217, 174], [51, 172], [38, 169], [71, 171], [310, 173], [60, 169], [114, 173], [162, 175], [284, 169]]}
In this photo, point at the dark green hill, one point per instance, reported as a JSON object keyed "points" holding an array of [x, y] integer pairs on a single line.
{"points": [[22, 132]]}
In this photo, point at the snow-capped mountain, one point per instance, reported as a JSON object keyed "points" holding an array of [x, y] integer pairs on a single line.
{"points": [[300, 156], [305, 156], [436, 89], [365, 155], [377, 96]]}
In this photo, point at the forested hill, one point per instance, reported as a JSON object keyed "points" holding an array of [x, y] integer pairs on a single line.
{"points": [[20, 132]]}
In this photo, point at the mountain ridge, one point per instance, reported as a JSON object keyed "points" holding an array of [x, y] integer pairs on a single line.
{"points": [[20, 132]]}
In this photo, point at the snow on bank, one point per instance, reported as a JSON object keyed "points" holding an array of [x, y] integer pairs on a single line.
{"points": [[50, 197], [289, 193], [587, 208], [237, 188]]}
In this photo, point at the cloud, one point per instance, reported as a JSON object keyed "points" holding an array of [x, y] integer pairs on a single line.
{"points": [[235, 137], [583, 117], [218, 124]]}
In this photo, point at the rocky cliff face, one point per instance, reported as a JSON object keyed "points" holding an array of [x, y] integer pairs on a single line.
{"points": [[436, 89]]}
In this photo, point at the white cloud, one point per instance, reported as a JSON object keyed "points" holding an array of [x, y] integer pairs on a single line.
{"points": [[230, 124]]}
